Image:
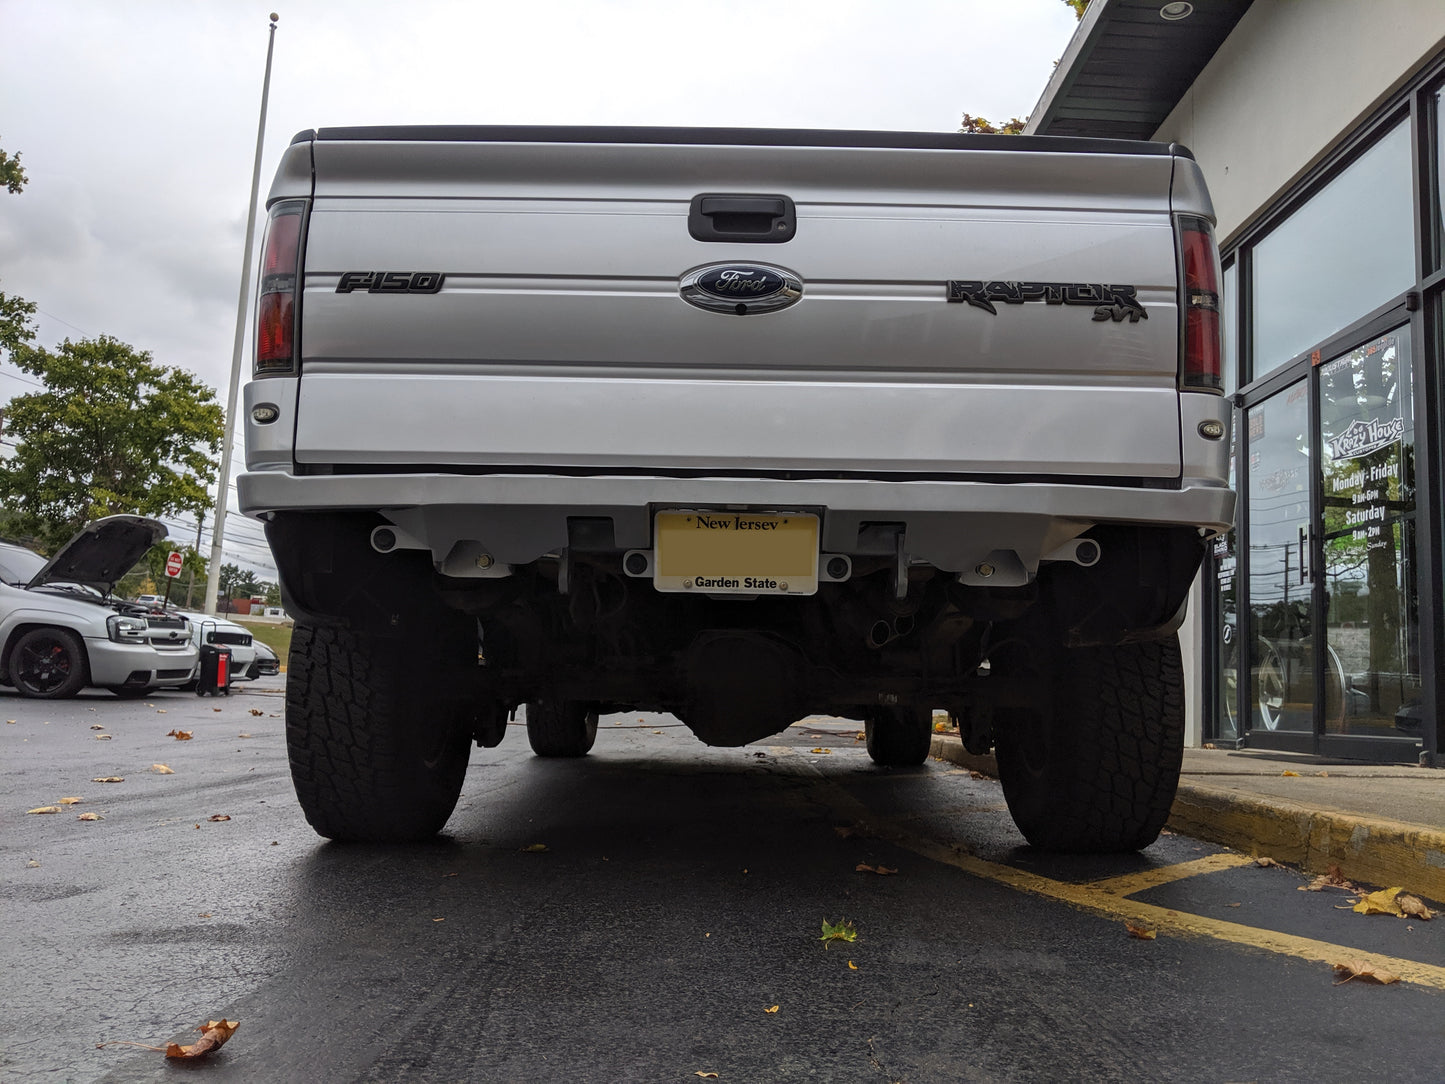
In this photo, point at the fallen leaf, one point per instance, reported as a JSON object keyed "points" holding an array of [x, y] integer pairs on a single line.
{"points": [[1333, 879], [842, 930], [243, 735], [44, 809], [438, 920], [89, 817], [862, 735], [180, 735], [772, 1010], [71, 801], [109, 779], [102, 737], [161, 769], [1233, 905], [1415, 907], [213, 1036], [1365, 972], [852, 966], [254, 711], [1323, 775], [1143, 933], [1267, 863], [96, 726], [1382, 902], [1210, 745], [215, 709], [11, 722], [940, 728], [219, 817], [535, 848], [160, 711], [204, 914], [864, 867], [708, 1076], [33, 864], [1287, 772]]}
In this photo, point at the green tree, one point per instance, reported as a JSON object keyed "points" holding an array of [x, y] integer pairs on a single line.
{"points": [[239, 582], [11, 173], [982, 126], [149, 575], [15, 312], [112, 432]]}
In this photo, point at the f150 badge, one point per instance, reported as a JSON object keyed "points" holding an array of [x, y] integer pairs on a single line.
{"points": [[390, 282], [1108, 302], [743, 289]]}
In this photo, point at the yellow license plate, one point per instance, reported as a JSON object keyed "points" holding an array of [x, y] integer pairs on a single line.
{"points": [[736, 553]]}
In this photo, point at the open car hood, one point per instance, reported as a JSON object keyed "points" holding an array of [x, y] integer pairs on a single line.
{"points": [[101, 552]]}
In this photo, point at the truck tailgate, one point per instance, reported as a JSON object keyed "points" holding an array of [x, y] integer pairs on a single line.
{"points": [[559, 338]]}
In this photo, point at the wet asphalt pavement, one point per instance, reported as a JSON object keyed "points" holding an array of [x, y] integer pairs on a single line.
{"points": [[679, 897]]}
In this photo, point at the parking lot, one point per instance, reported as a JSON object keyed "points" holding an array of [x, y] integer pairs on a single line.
{"points": [[651, 912]]}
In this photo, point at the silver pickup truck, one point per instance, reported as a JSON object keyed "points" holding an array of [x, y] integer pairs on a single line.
{"points": [[742, 425]]}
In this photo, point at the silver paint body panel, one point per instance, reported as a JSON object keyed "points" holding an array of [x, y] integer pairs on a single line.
{"points": [[558, 371]]}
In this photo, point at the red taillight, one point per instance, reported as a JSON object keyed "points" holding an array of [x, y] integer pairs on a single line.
{"points": [[283, 237], [1200, 367], [276, 306], [274, 321]]}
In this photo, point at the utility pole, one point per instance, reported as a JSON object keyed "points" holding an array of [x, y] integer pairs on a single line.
{"points": [[223, 484]]}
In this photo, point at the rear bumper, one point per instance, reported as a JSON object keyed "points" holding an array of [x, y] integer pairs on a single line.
{"points": [[949, 524]]}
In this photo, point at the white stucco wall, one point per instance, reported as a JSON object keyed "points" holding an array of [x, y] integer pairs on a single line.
{"points": [[1293, 78]]}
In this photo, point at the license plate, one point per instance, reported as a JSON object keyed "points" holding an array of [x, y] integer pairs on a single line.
{"points": [[736, 553]]}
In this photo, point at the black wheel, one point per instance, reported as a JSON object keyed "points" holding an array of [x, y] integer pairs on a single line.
{"points": [[561, 728], [1095, 767], [374, 757], [899, 737], [131, 692], [48, 664]]}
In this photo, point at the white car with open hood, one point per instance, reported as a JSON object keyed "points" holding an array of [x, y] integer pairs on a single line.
{"points": [[60, 629]]}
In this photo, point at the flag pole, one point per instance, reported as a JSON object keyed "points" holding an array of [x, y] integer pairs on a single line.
{"points": [[223, 484]]}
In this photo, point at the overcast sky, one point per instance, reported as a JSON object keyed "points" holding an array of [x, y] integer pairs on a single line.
{"points": [[136, 121]]}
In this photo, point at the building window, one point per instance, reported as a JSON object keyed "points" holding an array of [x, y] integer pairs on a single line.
{"points": [[1436, 207], [1344, 253]]}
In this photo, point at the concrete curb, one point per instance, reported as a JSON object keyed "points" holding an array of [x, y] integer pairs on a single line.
{"points": [[1372, 850]]}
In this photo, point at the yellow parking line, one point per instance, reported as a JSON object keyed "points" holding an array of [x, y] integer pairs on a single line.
{"points": [[1129, 884], [1104, 899]]}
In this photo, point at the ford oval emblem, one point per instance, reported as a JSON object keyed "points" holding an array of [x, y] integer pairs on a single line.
{"points": [[741, 288]]}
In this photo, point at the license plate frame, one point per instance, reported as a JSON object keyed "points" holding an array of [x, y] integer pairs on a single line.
{"points": [[731, 552]]}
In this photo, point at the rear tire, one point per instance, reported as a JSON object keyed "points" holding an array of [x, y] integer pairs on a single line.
{"points": [[375, 758], [1095, 768], [561, 728], [899, 737]]}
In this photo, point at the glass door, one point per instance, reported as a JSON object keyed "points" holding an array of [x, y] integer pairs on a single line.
{"points": [[1325, 655], [1278, 643], [1371, 606]]}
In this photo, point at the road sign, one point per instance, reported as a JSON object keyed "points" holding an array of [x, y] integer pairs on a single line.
{"points": [[173, 564]]}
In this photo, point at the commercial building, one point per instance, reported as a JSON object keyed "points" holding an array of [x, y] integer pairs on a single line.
{"points": [[1319, 622]]}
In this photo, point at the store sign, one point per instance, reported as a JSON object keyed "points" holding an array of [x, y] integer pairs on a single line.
{"points": [[1362, 438]]}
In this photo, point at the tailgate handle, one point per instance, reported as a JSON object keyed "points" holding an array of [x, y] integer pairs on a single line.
{"points": [[725, 216]]}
